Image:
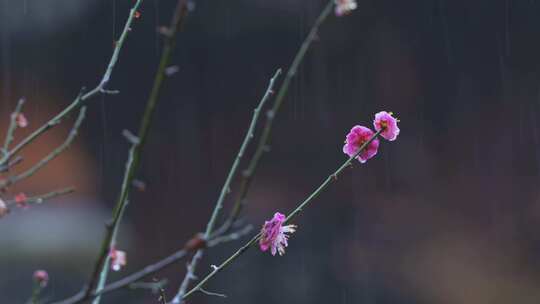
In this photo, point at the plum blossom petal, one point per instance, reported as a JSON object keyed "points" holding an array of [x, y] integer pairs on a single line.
{"points": [[21, 120], [358, 136], [274, 235], [388, 124]]}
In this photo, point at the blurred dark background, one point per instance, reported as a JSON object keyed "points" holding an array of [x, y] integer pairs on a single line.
{"points": [[449, 213]]}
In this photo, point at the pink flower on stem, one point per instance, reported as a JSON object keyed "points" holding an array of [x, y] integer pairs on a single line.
{"points": [[21, 120], [356, 138], [344, 7], [274, 234], [388, 124], [41, 277], [21, 200], [118, 259]]}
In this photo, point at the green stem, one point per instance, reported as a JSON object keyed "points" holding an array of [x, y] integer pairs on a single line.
{"points": [[294, 213], [101, 269], [192, 266], [265, 136], [81, 98]]}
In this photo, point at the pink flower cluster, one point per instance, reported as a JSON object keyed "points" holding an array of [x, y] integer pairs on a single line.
{"points": [[360, 135], [274, 234], [360, 143]]}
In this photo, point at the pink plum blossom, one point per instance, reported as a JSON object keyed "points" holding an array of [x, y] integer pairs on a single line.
{"points": [[388, 123], [21, 120], [344, 7], [41, 277], [21, 200], [118, 259], [356, 138], [274, 234]]}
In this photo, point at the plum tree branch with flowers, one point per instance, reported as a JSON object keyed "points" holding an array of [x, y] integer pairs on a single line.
{"points": [[361, 143]]}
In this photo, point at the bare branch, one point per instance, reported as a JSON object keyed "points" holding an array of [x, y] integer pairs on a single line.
{"points": [[71, 136], [152, 268], [215, 294], [262, 146], [226, 188], [154, 287], [101, 269], [81, 98]]}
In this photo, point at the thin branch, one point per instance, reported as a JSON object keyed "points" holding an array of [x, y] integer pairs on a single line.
{"points": [[11, 163], [99, 274], [262, 145], [247, 139], [295, 212], [155, 286], [214, 294], [230, 237], [12, 125], [38, 199], [81, 98], [71, 136], [192, 266], [153, 268]]}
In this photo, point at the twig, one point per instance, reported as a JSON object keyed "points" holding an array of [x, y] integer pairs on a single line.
{"points": [[99, 275], [12, 125], [154, 286], [226, 187], [230, 237], [151, 269], [81, 98], [314, 194], [71, 136], [215, 294], [11, 163], [247, 139], [101, 269], [36, 292], [38, 199], [262, 147]]}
